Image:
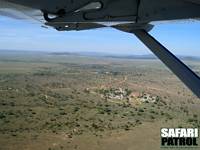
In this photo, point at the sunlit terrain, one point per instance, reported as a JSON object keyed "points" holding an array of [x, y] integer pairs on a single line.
{"points": [[57, 102]]}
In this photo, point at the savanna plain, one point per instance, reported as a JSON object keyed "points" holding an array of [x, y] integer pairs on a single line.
{"points": [[73, 102]]}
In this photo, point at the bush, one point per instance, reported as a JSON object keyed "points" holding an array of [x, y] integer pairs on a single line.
{"points": [[141, 110], [2, 116]]}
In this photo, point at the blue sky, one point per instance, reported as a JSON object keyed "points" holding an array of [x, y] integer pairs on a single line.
{"points": [[182, 38]]}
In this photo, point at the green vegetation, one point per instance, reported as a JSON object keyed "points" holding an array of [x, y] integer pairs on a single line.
{"points": [[80, 96]]}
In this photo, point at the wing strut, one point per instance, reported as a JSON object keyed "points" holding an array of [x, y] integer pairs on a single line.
{"points": [[185, 74]]}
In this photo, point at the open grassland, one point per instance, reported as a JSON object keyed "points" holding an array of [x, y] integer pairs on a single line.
{"points": [[51, 102]]}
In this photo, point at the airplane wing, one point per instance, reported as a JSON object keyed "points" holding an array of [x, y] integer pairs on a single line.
{"points": [[21, 12], [60, 14], [132, 16]]}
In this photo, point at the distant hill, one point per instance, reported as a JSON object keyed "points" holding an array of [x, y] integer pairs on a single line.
{"points": [[96, 54], [89, 54], [105, 55]]}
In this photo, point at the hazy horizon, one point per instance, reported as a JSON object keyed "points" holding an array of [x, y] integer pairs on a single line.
{"points": [[92, 54]]}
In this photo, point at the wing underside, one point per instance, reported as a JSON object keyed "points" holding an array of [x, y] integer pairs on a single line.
{"points": [[68, 12]]}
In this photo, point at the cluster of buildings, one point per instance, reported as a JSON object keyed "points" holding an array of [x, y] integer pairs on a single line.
{"points": [[127, 95]]}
